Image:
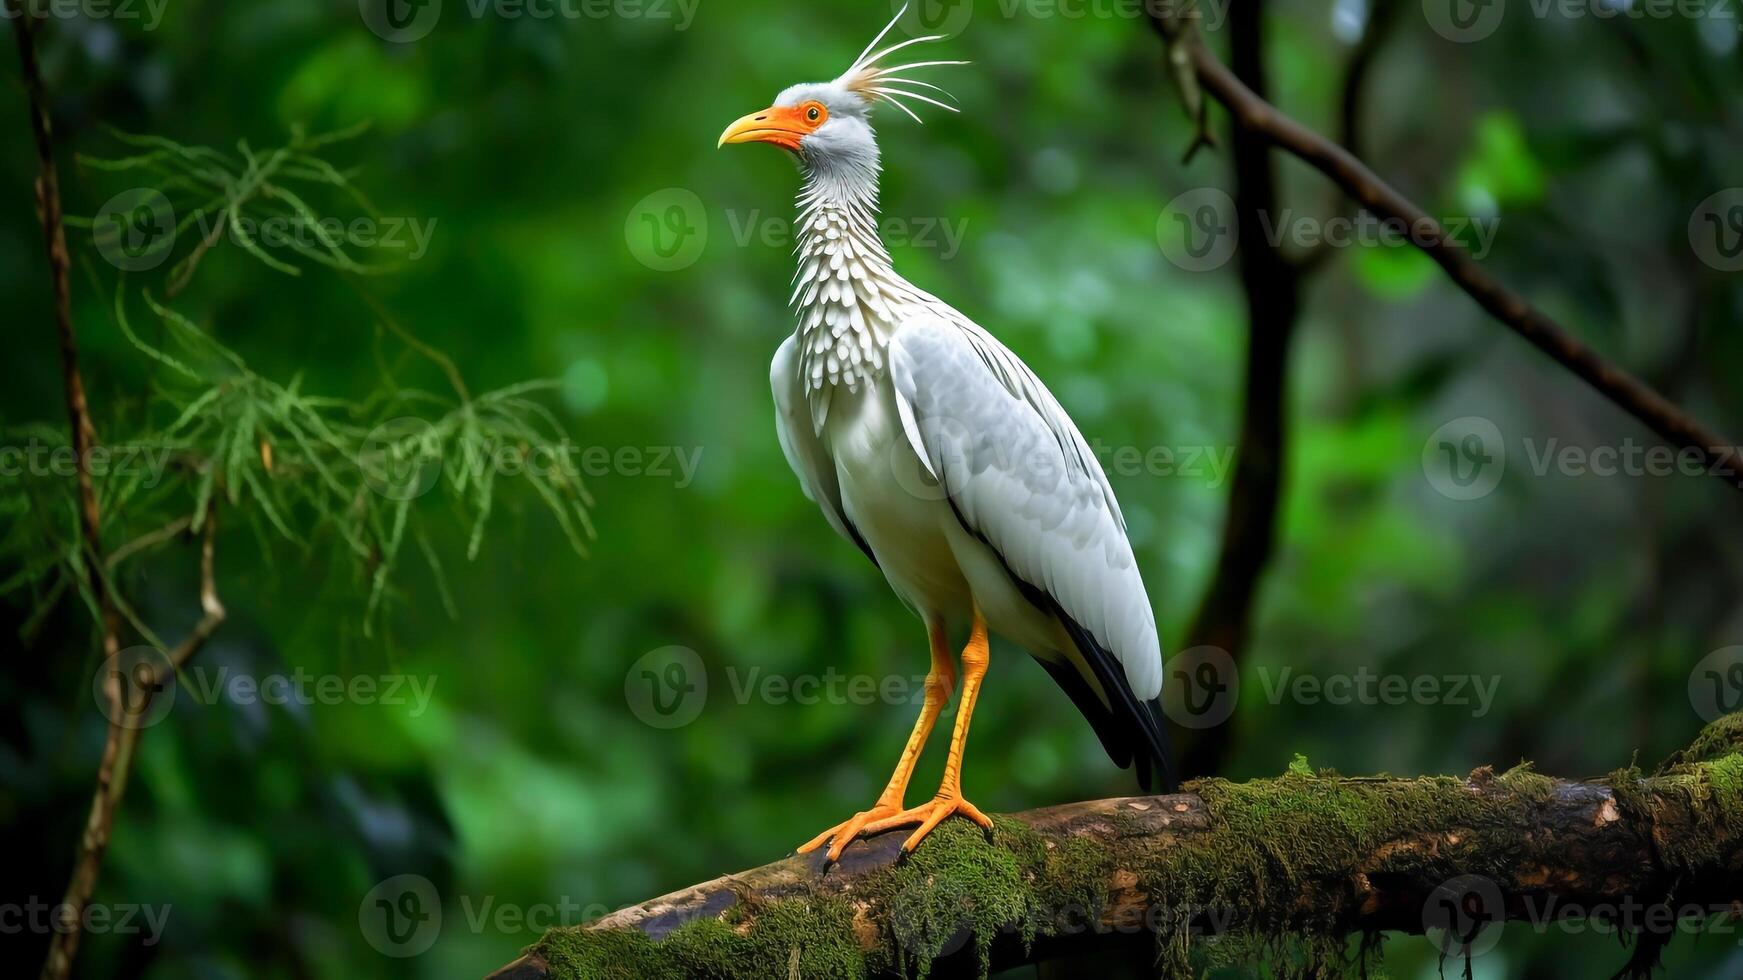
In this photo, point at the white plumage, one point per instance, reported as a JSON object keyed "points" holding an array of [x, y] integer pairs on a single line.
{"points": [[936, 450]]}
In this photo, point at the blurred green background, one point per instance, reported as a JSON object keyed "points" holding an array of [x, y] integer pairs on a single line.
{"points": [[530, 148]]}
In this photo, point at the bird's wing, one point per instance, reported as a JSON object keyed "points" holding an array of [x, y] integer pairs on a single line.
{"points": [[804, 451], [1022, 478]]}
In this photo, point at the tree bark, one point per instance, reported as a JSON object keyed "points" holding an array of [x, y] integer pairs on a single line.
{"points": [[1283, 870]]}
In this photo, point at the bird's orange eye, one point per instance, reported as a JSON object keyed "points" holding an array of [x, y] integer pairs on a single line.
{"points": [[814, 112]]}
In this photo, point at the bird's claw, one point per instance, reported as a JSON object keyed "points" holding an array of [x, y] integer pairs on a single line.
{"points": [[884, 817], [928, 815], [846, 831]]}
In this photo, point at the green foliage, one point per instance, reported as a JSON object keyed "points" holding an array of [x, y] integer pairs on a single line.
{"points": [[1394, 272], [529, 779], [1500, 168], [291, 465], [228, 197]]}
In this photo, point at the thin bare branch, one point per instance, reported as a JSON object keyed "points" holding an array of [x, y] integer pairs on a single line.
{"points": [[149, 540], [118, 746], [48, 208], [1720, 457], [211, 608]]}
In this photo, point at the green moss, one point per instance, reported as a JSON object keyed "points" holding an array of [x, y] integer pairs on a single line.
{"points": [[810, 938], [1258, 893], [1525, 781], [1710, 790], [957, 888], [1290, 836], [1721, 738]]}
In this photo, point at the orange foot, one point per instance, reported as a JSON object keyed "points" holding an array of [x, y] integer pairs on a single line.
{"points": [[928, 815], [844, 832]]}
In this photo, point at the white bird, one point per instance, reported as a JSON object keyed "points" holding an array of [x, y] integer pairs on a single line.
{"points": [[939, 453]]}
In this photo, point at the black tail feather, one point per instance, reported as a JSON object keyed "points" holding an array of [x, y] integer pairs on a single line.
{"points": [[1130, 730]]}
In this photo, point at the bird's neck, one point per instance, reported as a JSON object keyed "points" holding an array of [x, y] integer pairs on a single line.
{"points": [[846, 294]]}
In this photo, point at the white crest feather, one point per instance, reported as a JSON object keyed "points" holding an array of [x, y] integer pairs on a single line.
{"points": [[884, 84]]}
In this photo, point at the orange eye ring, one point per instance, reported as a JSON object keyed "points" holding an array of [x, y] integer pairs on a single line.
{"points": [[815, 113]]}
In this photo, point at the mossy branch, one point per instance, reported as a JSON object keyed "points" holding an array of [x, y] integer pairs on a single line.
{"points": [[1302, 873]]}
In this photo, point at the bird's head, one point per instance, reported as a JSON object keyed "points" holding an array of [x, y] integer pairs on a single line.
{"points": [[830, 122]]}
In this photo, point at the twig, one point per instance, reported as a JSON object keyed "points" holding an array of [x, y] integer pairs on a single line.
{"points": [[1719, 456], [118, 751], [118, 746], [121, 740], [211, 608], [149, 540], [48, 207], [183, 273], [441, 360]]}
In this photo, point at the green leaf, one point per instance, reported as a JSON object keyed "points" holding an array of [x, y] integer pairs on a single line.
{"points": [[1393, 272], [1500, 168]]}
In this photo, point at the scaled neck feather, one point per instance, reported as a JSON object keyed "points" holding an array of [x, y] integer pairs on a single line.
{"points": [[846, 293]]}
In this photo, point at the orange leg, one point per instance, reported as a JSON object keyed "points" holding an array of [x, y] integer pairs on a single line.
{"points": [[949, 799], [939, 680]]}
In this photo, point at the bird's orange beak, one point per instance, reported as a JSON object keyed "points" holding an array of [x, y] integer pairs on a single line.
{"points": [[783, 126]]}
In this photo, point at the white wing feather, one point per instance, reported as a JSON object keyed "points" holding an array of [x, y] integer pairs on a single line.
{"points": [[799, 442], [1021, 476]]}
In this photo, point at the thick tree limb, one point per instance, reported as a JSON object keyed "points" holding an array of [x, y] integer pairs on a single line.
{"points": [[1720, 457], [1285, 868]]}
